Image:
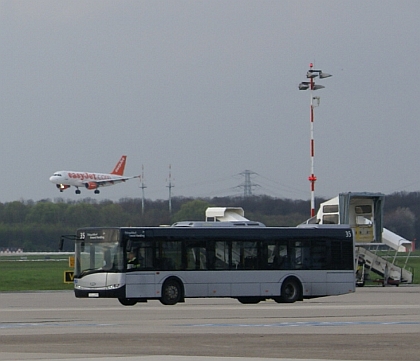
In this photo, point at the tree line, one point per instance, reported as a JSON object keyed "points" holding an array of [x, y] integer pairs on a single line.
{"points": [[37, 226]]}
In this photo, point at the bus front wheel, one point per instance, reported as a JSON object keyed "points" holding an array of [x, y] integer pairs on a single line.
{"points": [[171, 292], [291, 291], [127, 301]]}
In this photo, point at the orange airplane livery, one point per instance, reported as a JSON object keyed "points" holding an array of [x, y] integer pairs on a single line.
{"points": [[65, 179]]}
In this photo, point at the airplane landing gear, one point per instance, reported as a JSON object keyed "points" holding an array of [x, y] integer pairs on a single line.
{"points": [[96, 191], [77, 191]]}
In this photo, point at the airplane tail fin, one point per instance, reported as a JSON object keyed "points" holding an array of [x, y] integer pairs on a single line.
{"points": [[119, 168]]}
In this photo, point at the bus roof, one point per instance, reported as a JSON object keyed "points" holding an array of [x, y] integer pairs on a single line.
{"points": [[218, 224]]}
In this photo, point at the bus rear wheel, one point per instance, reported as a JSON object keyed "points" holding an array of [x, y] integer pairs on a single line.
{"points": [[127, 301], [171, 292], [291, 291]]}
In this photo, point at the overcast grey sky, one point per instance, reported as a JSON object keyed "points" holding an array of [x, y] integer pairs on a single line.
{"points": [[210, 87]]}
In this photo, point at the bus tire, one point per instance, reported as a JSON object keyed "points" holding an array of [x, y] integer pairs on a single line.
{"points": [[171, 292], [291, 290], [249, 300], [127, 301]]}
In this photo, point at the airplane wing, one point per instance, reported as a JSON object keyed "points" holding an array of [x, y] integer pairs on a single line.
{"points": [[106, 182]]}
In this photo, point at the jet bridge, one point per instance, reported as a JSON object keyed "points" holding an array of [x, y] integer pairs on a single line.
{"points": [[363, 211]]}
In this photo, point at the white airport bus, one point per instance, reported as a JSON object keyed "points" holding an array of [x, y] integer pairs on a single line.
{"points": [[248, 262]]}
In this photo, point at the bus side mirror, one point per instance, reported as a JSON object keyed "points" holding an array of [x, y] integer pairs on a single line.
{"points": [[71, 237]]}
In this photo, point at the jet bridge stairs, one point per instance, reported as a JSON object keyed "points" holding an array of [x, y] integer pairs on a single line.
{"points": [[390, 273]]}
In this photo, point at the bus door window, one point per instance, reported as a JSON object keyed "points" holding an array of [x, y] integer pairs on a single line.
{"points": [[196, 255], [145, 255], [140, 255], [168, 255]]}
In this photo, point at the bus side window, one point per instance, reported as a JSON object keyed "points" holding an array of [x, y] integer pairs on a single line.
{"points": [[196, 255], [245, 255], [319, 255], [300, 254], [210, 254], [221, 255], [251, 262], [166, 264], [278, 256]]}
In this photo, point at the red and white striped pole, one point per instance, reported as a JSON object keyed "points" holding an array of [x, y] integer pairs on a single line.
{"points": [[305, 85], [312, 177]]}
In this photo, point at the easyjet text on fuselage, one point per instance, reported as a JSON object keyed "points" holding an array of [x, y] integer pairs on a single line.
{"points": [[89, 176]]}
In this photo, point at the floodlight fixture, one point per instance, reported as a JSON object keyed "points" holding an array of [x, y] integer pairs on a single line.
{"points": [[324, 75], [304, 85], [311, 74]]}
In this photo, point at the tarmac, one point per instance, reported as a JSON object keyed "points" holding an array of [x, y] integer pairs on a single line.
{"points": [[374, 323]]}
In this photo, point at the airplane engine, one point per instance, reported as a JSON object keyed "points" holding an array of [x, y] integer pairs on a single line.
{"points": [[91, 185]]}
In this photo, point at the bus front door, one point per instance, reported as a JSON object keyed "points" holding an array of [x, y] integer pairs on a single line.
{"points": [[140, 285]]}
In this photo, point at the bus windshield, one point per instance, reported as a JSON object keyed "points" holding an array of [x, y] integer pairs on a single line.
{"points": [[98, 257]]}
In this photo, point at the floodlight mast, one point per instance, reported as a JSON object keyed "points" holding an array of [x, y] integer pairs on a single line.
{"points": [[305, 85]]}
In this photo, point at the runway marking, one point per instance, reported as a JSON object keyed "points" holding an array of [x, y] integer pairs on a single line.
{"points": [[6, 325], [304, 324]]}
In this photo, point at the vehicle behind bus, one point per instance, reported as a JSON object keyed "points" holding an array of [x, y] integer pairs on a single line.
{"points": [[249, 263]]}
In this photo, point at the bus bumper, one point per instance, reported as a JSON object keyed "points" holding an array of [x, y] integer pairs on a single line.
{"points": [[100, 293]]}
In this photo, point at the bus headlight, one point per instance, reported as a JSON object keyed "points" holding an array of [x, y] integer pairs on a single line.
{"points": [[113, 287]]}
